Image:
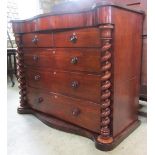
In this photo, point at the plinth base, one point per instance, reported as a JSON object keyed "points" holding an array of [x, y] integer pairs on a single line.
{"points": [[70, 128]]}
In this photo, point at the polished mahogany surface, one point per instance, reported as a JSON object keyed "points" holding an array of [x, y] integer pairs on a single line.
{"points": [[69, 59], [72, 38], [127, 61], [140, 4], [74, 110], [82, 67], [80, 85], [57, 20]]}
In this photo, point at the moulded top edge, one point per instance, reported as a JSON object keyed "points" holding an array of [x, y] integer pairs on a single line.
{"points": [[93, 7]]}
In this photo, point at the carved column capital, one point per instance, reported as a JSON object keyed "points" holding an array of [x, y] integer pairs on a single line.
{"points": [[106, 85]]}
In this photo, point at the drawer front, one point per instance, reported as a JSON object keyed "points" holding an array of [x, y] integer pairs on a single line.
{"points": [[37, 40], [73, 59], [83, 113], [78, 85], [72, 38], [78, 38]]}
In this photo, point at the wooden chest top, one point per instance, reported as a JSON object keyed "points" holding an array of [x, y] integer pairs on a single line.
{"points": [[96, 14]]}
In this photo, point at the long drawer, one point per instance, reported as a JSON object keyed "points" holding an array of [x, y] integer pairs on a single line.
{"points": [[72, 59], [89, 37], [80, 85], [83, 113]]}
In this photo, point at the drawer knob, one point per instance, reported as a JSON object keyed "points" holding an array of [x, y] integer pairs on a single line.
{"points": [[75, 84], [74, 60], [36, 77], [35, 58], [73, 38], [40, 99], [76, 112], [35, 40]]}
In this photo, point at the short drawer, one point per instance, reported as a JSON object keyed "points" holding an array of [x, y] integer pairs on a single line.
{"points": [[89, 37], [83, 113], [72, 59], [80, 85], [37, 40]]}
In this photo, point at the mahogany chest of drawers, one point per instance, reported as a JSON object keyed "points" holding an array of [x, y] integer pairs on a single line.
{"points": [[79, 71]]}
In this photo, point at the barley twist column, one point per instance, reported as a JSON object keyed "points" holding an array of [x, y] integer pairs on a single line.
{"points": [[106, 37], [21, 74]]}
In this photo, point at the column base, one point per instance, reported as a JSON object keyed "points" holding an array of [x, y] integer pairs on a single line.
{"points": [[24, 110], [105, 141], [111, 143]]}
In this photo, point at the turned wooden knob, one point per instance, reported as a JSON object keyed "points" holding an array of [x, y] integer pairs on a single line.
{"points": [[73, 38], [76, 112], [74, 84], [35, 40], [40, 99], [74, 60], [36, 77], [35, 58]]}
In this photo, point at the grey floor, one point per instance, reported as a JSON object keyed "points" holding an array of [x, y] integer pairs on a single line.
{"points": [[29, 136]]}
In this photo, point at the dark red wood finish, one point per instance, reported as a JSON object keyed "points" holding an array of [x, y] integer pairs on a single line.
{"points": [[127, 64], [37, 40], [77, 111], [84, 38], [80, 85], [140, 5], [71, 59], [71, 38], [83, 67]]}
